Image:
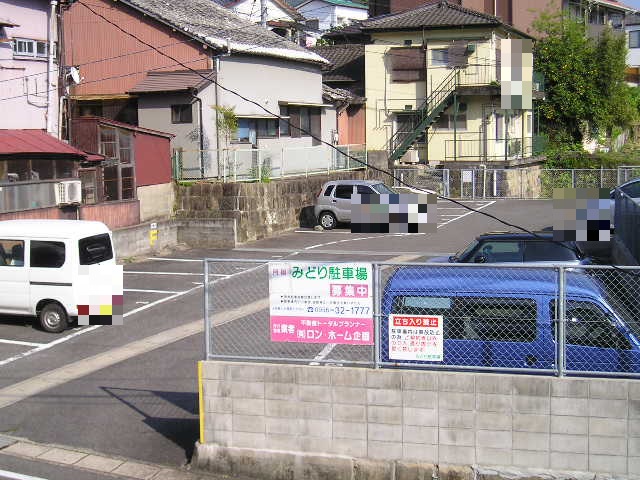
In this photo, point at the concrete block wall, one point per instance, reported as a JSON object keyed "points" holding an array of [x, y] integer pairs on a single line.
{"points": [[259, 209], [254, 412]]}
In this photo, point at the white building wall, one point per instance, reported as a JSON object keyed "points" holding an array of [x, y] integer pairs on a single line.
{"points": [[633, 54], [250, 10], [23, 96], [328, 14]]}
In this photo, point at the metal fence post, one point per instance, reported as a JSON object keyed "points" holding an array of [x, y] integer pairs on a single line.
{"points": [[377, 300], [207, 321], [560, 337], [235, 165]]}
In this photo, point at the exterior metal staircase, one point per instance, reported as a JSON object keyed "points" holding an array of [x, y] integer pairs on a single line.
{"points": [[439, 100]]}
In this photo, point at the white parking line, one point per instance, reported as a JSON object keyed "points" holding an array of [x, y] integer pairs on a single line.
{"points": [[18, 342], [18, 476], [164, 273], [149, 291], [161, 259]]}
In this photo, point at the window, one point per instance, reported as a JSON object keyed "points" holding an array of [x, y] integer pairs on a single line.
{"points": [[364, 190], [304, 118], [328, 190], [440, 57], [499, 127], [267, 128], [182, 113], [305, 121], [529, 118], [596, 16], [284, 124], [119, 180], [616, 20], [587, 325], [407, 64], [470, 318], [11, 253], [547, 251], [95, 249], [632, 190], [448, 119], [24, 47], [344, 191], [47, 254], [492, 252], [634, 39]]}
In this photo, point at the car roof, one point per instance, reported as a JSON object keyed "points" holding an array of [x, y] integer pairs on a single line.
{"points": [[628, 182], [473, 280], [354, 182], [46, 228], [540, 236]]}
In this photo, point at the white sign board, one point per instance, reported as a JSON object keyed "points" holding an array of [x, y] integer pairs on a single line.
{"points": [[315, 302], [416, 337]]}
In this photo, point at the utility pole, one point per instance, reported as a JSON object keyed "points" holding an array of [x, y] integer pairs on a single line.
{"points": [[263, 13]]}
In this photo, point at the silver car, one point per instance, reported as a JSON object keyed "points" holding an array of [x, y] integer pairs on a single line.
{"points": [[333, 202], [630, 188]]}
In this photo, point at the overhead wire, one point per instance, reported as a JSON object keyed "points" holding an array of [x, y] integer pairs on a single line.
{"points": [[286, 120]]}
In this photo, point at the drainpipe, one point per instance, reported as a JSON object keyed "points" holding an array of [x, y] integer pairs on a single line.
{"points": [[200, 130], [217, 67], [50, 76]]}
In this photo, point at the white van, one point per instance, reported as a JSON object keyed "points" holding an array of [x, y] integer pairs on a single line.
{"points": [[40, 263]]}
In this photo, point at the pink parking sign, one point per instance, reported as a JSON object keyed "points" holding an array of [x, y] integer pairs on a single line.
{"points": [[313, 302]]}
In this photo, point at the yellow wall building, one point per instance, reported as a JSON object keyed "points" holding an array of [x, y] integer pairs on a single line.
{"points": [[441, 61]]}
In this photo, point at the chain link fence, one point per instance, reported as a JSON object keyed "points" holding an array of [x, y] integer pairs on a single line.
{"points": [[516, 183], [518, 318]]}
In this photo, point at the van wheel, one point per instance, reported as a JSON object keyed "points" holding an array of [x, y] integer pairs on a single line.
{"points": [[53, 318], [327, 220]]}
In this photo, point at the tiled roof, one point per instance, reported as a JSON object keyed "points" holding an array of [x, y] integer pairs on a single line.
{"points": [[347, 62], [615, 4], [215, 25], [339, 95], [20, 142], [433, 15], [182, 80]]}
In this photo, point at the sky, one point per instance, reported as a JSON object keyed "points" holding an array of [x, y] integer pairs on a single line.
{"points": [[632, 3]]}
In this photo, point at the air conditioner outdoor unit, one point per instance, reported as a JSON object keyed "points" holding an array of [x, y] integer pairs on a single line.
{"points": [[410, 157], [68, 192]]}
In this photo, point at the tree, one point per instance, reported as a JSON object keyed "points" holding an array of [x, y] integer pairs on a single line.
{"points": [[227, 124], [586, 93]]}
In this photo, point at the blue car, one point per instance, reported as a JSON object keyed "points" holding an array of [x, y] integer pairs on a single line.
{"points": [[504, 318]]}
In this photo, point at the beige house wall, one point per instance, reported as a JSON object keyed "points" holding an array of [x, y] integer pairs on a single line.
{"points": [[385, 99]]}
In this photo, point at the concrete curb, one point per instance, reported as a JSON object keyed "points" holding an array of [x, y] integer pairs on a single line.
{"points": [[93, 462], [285, 465]]}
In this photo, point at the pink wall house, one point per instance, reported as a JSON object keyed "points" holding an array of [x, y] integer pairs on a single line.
{"points": [[29, 78]]}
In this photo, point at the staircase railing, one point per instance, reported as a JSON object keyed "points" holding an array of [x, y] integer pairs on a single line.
{"points": [[425, 115]]}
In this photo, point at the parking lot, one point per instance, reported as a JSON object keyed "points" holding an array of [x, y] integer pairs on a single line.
{"points": [[152, 281], [156, 390]]}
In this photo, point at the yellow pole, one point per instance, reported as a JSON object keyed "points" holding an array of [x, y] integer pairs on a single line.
{"points": [[201, 402]]}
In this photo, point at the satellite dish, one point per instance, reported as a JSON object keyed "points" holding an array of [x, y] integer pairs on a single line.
{"points": [[74, 73]]}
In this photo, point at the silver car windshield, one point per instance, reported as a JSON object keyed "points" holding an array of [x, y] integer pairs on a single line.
{"points": [[381, 188]]}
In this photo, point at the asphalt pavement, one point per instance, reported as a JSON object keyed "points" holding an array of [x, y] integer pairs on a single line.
{"points": [[130, 390]]}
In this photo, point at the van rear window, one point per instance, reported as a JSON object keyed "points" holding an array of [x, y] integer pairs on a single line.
{"points": [[95, 249]]}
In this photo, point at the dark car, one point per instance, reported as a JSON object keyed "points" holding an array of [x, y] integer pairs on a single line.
{"points": [[505, 247]]}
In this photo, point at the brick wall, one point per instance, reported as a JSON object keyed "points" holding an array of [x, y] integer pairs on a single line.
{"points": [[415, 417]]}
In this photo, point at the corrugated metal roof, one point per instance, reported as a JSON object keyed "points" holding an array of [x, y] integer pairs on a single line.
{"points": [[156, 82], [217, 26], [4, 22], [14, 142], [438, 14], [341, 3], [126, 126]]}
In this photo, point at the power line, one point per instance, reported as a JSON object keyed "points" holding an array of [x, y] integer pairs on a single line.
{"points": [[280, 118]]}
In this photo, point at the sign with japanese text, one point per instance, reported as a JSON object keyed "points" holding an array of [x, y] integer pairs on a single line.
{"points": [[321, 302], [416, 337]]}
